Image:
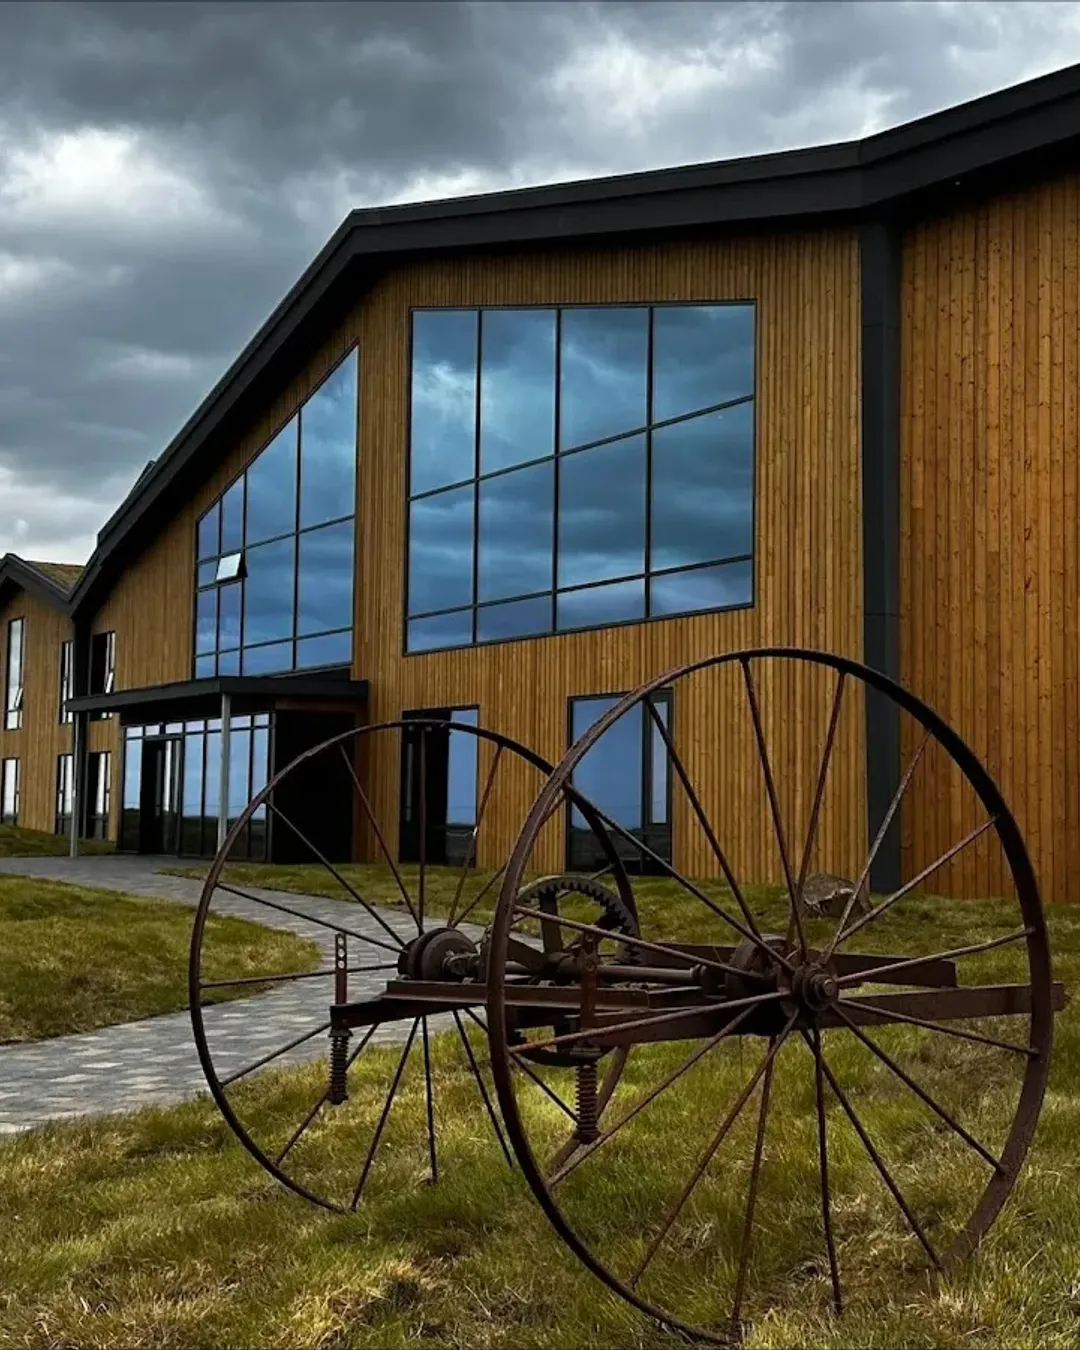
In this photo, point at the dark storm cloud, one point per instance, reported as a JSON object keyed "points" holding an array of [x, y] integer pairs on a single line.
{"points": [[168, 170]]}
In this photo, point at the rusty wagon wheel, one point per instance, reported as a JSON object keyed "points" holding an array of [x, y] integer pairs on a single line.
{"points": [[409, 928], [897, 1045]]}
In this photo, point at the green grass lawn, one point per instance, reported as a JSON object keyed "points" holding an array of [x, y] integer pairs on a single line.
{"points": [[73, 959], [157, 1229], [17, 842]]}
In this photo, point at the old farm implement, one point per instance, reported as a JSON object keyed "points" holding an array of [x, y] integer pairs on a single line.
{"points": [[722, 1096]]}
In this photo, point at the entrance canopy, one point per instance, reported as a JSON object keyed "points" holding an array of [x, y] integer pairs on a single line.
{"points": [[186, 699]]}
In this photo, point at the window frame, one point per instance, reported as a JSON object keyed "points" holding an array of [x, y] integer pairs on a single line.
{"points": [[67, 680], [14, 690], [649, 826], [471, 610], [65, 796], [295, 640], [107, 670], [6, 817], [96, 823], [405, 821]]}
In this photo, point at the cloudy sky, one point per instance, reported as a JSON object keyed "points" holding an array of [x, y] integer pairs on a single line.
{"points": [[168, 170]]}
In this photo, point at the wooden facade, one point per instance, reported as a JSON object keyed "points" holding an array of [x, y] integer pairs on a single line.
{"points": [[42, 736], [990, 586]]}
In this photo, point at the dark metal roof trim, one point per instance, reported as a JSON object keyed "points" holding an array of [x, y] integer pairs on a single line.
{"points": [[894, 170], [318, 686], [18, 575]]}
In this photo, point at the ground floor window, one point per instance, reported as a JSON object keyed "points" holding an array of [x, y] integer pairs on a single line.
{"points": [[98, 794], [9, 792], [65, 783], [626, 774], [438, 787], [172, 786]]}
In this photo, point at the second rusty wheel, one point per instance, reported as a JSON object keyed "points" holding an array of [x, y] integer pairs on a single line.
{"points": [[897, 1048]]}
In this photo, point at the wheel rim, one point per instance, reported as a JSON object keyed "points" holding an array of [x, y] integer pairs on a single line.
{"points": [[357, 937], [807, 985]]}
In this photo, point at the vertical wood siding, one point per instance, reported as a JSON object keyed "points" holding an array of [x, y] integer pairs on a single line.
{"points": [[989, 582], [42, 736]]}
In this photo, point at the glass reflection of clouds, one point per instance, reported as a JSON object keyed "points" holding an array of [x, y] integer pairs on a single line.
{"points": [[290, 519], [575, 467]]}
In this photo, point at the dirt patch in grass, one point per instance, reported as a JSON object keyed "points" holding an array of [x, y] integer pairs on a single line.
{"points": [[73, 959]]}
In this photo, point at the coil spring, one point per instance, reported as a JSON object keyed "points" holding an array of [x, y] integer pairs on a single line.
{"points": [[587, 1095], [339, 1065]]}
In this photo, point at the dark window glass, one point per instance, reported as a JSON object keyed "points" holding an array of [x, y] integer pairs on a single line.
{"points": [[604, 360], [271, 488], [228, 663], [67, 674], [212, 777], [594, 606], [517, 386], [207, 574], [9, 792], [702, 355], [208, 540], [609, 773], [206, 621], [648, 479], [514, 533], [13, 715], [232, 518], [703, 488], [64, 794], [442, 430], [519, 618], [267, 660], [330, 649], [328, 448], [625, 774], [229, 615], [602, 513], [239, 771], [441, 551], [193, 776], [325, 578], [702, 588], [441, 630], [268, 592], [260, 766], [461, 770], [205, 667]]}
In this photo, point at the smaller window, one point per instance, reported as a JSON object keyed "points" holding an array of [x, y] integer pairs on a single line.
{"points": [[66, 677], [9, 792], [230, 567], [625, 776], [102, 666], [64, 793], [96, 812], [13, 696]]}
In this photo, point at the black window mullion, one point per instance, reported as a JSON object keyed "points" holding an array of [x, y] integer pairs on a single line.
{"points": [[556, 468], [649, 458]]}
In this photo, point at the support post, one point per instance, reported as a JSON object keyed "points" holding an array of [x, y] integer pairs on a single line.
{"points": [[223, 804], [78, 739]]}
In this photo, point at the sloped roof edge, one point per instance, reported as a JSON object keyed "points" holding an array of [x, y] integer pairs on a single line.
{"points": [[885, 172], [18, 574]]}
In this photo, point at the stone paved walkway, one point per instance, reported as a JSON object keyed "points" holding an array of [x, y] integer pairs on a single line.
{"points": [[154, 1062]]}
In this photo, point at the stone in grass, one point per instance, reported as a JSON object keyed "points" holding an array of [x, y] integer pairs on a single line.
{"points": [[824, 893]]}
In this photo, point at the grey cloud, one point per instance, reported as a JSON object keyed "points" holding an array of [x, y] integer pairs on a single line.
{"points": [[231, 138]]}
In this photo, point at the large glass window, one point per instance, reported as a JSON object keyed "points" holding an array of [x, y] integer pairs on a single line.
{"points": [[13, 682], [274, 570], [102, 667], [98, 794], [9, 792], [626, 776], [577, 467], [196, 749]]}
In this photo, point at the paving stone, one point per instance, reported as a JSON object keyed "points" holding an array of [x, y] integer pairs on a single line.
{"points": [[154, 1062]]}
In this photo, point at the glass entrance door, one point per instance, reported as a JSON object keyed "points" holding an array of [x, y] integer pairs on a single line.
{"points": [[159, 797]]}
